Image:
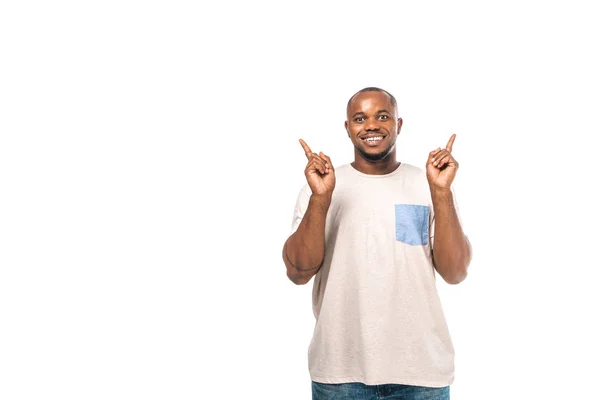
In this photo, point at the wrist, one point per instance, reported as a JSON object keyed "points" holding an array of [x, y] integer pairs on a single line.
{"points": [[321, 199], [440, 193]]}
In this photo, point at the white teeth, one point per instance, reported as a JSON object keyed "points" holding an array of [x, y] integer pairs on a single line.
{"points": [[372, 139]]}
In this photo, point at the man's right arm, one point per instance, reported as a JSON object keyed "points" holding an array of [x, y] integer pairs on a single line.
{"points": [[304, 250]]}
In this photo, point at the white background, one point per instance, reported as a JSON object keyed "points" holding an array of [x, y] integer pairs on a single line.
{"points": [[149, 165]]}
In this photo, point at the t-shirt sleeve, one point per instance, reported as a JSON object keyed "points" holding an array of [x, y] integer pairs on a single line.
{"points": [[432, 218], [300, 208]]}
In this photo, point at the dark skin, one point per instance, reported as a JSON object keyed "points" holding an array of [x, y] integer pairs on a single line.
{"points": [[373, 127], [370, 114], [304, 250], [451, 248]]}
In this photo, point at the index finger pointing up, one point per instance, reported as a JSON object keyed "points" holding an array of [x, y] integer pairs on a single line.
{"points": [[450, 143], [307, 149]]}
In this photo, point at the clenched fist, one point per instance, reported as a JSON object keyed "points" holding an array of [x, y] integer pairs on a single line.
{"points": [[319, 172]]}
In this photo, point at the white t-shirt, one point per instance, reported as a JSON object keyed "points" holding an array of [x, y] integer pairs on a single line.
{"points": [[378, 315]]}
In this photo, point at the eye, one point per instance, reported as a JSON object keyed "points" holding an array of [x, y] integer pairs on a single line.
{"points": [[383, 117], [359, 119]]}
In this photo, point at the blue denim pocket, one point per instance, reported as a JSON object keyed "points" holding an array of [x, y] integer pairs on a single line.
{"points": [[412, 224]]}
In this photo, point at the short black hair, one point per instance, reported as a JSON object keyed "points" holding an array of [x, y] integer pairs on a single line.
{"points": [[372, 89]]}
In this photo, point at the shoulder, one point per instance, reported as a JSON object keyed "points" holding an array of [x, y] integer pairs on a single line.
{"points": [[415, 178], [410, 169], [412, 172], [343, 169], [305, 192]]}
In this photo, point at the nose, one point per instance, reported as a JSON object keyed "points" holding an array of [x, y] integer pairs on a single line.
{"points": [[372, 124]]}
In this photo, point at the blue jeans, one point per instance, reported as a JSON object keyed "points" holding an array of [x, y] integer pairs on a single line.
{"points": [[360, 391]]}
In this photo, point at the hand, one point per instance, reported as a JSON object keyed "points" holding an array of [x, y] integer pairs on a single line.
{"points": [[319, 172], [441, 166]]}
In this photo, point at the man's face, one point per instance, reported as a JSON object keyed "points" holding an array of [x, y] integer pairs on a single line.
{"points": [[373, 125]]}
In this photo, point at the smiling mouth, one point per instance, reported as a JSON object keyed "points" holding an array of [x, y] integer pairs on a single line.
{"points": [[373, 141]]}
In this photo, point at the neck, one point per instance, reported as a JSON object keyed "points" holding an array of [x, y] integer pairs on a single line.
{"points": [[380, 167]]}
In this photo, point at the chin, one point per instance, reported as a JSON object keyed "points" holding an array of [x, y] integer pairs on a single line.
{"points": [[375, 156]]}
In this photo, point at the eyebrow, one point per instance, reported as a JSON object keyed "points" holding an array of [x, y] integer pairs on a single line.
{"points": [[378, 112]]}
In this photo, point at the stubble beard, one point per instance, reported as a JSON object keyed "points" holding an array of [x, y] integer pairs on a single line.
{"points": [[377, 156]]}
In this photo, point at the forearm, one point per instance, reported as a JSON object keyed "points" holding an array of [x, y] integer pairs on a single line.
{"points": [[451, 249], [304, 250]]}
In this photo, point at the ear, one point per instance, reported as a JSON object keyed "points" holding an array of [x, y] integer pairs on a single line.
{"points": [[399, 125], [346, 126]]}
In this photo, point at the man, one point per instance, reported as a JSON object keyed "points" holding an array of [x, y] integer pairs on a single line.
{"points": [[365, 231]]}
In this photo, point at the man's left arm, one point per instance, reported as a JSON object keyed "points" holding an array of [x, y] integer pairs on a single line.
{"points": [[451, 248]]}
